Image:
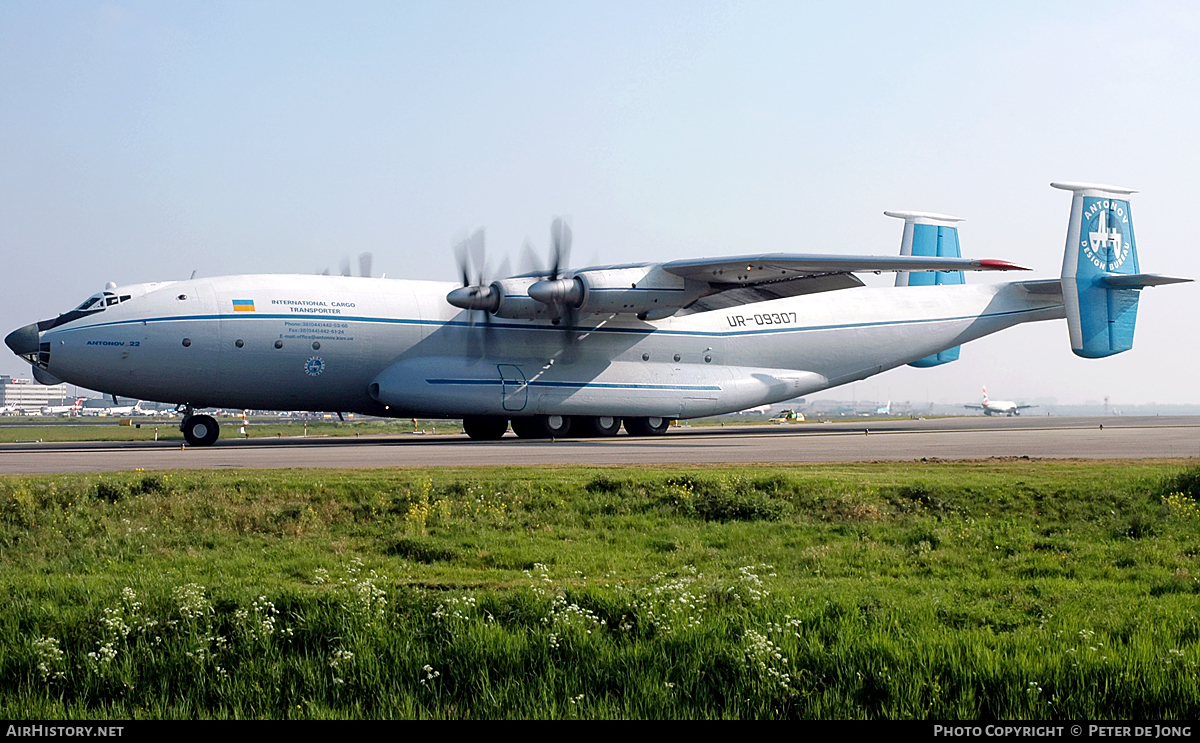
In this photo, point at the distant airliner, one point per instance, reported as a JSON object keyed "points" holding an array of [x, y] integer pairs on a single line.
{"points": [[756, 410], [557, 352], [998, 407], [72, 409], [119, 410]]}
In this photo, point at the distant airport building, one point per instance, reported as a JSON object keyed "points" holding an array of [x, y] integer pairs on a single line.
{"points": [[25, 395]]}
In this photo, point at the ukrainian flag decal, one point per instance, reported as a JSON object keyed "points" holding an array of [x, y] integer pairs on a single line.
{"points": [[243, 305]]}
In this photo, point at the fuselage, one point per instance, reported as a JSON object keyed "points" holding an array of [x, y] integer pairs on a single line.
{"points": [[1000, 407], [396, 347]]}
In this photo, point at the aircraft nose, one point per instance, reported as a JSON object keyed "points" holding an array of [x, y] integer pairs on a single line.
{"points": [[24, 341]]}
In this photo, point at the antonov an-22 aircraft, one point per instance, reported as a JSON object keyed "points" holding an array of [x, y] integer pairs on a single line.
{"points": [[557, 352]]}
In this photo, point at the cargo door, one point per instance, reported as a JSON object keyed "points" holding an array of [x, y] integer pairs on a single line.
{"points": [[513, 388]]}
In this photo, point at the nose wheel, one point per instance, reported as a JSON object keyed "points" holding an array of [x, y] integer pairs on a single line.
{"points": [[200, 430]]}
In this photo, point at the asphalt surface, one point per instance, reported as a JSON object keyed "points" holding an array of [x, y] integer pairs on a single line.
{"points": [[842, 441]]}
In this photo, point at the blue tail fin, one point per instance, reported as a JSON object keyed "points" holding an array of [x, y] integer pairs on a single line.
{"points": [[1100, 275], [930, 235]]}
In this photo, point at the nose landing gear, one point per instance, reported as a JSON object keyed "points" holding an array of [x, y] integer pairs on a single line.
{"points": [[199, 430]]}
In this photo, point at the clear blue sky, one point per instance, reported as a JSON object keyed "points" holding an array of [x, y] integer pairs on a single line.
{"points": [[144, 140]]}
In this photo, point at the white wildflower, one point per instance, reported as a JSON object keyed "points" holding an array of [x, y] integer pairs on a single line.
{"points": [[50, 658]]}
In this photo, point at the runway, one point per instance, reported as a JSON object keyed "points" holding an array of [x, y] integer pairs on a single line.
{"points": [[849, 441]]}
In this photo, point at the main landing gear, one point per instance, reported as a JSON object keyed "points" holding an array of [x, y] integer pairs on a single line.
{"points": [[491, 428], [199, 430], [542, 427], [485, 427], [647, 426], [597, 426]]}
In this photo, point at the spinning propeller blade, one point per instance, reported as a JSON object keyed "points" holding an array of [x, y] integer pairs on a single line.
{"points": [[364, 266], [471, 256]]}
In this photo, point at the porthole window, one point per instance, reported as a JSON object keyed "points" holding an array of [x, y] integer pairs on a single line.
{"points": [[181, 297], [279, 344], [677, 357], [645, 357], [316, 345], [187, 342], [708, 359], [239, 343]]}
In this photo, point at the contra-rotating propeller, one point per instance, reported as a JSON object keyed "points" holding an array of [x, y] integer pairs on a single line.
{"points": [[477, 292], [561, 295], [471, 256]]}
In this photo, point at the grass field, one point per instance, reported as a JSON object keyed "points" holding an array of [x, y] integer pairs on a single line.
{"points": [[973, 590]]}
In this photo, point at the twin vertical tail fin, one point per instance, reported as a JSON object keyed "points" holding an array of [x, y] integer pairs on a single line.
{"points": [[1101, 279], [932, 235], [1100, 275]]}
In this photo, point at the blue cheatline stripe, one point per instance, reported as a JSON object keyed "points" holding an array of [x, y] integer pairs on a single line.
{"points": [[576, 385], [580, 328]]}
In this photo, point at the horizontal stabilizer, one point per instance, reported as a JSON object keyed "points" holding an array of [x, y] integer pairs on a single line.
{"points": [[1139, 280]]}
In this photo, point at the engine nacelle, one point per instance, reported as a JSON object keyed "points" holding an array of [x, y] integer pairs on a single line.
{"points": [[645, 291], [515, 302]]}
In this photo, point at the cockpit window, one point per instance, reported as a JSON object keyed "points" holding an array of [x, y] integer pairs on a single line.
{"points": [[89, 302], [91, 306]]}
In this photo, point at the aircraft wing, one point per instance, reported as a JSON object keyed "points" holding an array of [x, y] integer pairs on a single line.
{"points": [[657, 290], [724, 296], [765, 268], [740, 280]]}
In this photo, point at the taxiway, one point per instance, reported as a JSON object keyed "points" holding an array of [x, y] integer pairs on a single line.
{"points": [[848, 441]]}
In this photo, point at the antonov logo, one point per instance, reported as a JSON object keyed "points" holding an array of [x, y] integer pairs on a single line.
{"points": [[1106, 247], [314, 366]]}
